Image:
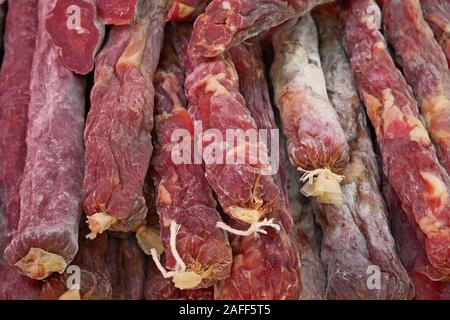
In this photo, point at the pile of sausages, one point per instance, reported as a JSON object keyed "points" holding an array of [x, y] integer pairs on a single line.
{"points": [[348, 198]]}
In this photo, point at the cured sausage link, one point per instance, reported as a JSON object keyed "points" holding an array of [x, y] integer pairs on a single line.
{"points": [[21, 25], [425, 68], [409, 158], [265, 267], [315, 140], [227, 23], [184, 196], [244, 183], [50, 193], [356, 237], [118, 128]]}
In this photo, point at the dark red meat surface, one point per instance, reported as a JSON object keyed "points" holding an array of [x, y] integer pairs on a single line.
{"points": [[118, 127], [409, 159], [226, 23], [183, 193], [50, 191]]}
